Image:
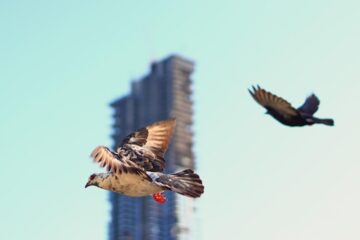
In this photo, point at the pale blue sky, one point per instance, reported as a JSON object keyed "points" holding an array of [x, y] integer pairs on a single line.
{"points": [[62, 63]]}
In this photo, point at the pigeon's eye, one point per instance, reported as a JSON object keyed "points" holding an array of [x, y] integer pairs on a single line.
{"points": [[92, 176]]}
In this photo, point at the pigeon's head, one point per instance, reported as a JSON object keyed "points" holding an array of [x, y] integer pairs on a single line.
{"points": [[94, 179]]}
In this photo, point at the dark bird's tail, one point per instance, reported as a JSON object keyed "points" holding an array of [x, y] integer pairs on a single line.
{"points": [[185, 183], [326, 121]]}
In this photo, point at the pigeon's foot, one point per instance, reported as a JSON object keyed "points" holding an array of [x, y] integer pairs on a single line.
{"points": [[159, 197]]}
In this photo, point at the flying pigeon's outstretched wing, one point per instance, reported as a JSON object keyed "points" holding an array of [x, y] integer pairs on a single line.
{"points": [[310, 105], [113, 162], [273, 102], [147, 146]]}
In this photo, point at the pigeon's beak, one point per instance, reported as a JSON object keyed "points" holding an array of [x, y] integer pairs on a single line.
{"points": [[87, 184]]}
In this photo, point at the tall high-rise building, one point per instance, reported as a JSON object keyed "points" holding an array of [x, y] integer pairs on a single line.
{"points": [[165, 92]]}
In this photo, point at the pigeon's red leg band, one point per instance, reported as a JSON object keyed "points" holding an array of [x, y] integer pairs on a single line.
{"points": [[159, 197]]}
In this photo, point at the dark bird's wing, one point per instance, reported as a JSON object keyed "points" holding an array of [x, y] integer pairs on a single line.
{"points": [[273, 102], [310, 105], [147, 146], [114, 163]]}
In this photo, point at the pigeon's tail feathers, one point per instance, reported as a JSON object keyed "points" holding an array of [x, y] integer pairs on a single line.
{"points": [[326, 121], [186, 183]]}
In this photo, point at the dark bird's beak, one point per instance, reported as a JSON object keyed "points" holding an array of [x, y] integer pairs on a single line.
{"points": [[87, 184]]}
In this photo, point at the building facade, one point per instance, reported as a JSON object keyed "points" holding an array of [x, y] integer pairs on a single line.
{"points": [[165, 92]]}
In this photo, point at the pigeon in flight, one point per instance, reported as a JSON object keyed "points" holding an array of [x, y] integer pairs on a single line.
{"points": [[136, 168], [282, 110]]}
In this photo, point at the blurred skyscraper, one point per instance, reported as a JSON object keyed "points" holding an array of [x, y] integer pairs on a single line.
{"points": [[165, 92]]}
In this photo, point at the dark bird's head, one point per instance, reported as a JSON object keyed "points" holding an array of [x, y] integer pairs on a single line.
{"points": [[93, 180]]}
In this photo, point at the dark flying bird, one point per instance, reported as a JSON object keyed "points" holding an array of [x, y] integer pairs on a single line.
{"points": [[136, 168], [282, 110]]}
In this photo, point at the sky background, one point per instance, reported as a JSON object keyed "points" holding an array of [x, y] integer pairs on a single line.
{"points": [[63, 62]]}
